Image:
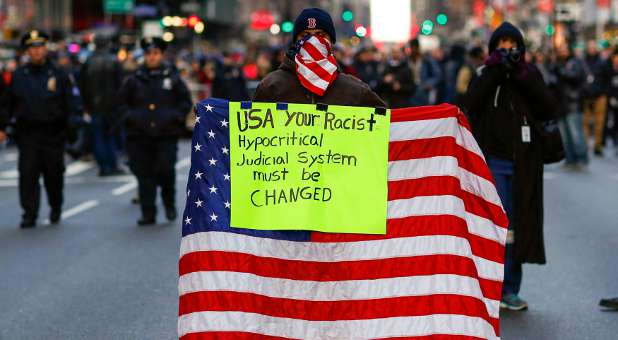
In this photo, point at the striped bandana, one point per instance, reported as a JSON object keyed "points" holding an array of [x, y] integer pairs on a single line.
{"points": [[316, 67]]}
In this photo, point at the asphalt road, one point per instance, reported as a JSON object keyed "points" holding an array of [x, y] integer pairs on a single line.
{"points": [[99, 276]]}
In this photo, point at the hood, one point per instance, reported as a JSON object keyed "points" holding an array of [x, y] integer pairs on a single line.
{"points": [[507, 30]]}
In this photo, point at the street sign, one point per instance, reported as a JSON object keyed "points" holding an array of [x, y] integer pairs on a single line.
{"points": [[118, 6]]}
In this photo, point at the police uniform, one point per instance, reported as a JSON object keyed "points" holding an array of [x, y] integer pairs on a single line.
{"points": [[155, 103], [39, 103]]}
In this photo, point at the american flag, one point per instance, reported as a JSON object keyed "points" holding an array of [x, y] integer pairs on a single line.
{"points": [[436, 274], [316, 66]]}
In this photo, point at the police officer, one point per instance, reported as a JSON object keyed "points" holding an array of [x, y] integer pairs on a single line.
{"points": [[39, 103], [155, 102]]}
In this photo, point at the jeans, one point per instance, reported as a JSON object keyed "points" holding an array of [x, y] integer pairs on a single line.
{"points": [[571, 129], [103, 145], [502, 170]]}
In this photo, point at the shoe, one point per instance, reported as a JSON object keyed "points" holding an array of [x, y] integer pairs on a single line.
{"points": [[513, 302], [170, 213], [611, 303], [27, 223], [109, 173], [54, 216], [598, 152], [147, 220]]}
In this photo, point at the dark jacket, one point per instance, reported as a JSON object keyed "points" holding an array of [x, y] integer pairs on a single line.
{"points": [[39, 100], [498, 105], [597, 80], [154, 103], [567, 80], [230, 84], [101, 77], [282, 85], [403, 75]]}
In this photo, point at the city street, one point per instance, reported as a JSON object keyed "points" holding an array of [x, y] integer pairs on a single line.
{"points": [[99, 276]]}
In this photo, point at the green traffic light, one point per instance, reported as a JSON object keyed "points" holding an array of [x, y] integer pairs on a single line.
{"points": [[427, 27], [442, 19], [347, 16], [550, 30], [287, 26]]}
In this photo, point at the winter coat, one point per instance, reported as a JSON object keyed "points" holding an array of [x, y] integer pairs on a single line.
{"points": [[401, 74], [282, 85], [101, 77]]}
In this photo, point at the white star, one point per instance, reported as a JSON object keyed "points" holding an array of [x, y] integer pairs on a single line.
{"points": [[198, 203], [197, 147], [225, 150], [226, 177], [188, 220], [198, 175], [208, 108], [224, 123], [211, 134], [213, 217], [188, 193], [213, 189], [212, 162], [197, 119], [227, 204]]}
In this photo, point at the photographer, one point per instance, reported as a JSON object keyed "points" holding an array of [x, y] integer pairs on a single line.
{"points": [[506, 103]]}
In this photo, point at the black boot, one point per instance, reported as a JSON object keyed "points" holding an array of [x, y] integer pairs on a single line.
{"points": [[170, 213], [148, 218], [55, 215], [27, 222]]}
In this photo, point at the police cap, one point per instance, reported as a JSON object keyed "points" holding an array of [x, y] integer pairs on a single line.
{"points": [[34, 38], [153, 42]]}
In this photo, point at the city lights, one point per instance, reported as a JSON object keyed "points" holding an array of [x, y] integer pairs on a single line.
{"points": [[427, 27], [199, 27], [275, 29], [168, 36]]}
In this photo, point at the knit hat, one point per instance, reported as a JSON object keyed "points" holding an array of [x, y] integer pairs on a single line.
{"points": [[314, 18], [507, 30]]}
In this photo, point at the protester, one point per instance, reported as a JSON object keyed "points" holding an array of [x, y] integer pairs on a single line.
{"points": [[292, 83], [427, 76], [506, 103], [397, 85], [595, 102], [569, 82], [40, 101], [101, 77], [155, 102]]}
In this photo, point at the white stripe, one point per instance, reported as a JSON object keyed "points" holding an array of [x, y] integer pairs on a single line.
{"points": [[9, 174], [336, 290], [10, 157], [318, 45], [444, 166], [343, 329], [434, 128], [79, 208], [311, 77], [324, 63], [78, 167], [341, 251], [124, 188]]}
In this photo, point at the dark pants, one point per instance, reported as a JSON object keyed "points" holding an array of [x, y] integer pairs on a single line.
{"points": [[35, 159], [103, 145], [503, 175], [152, 161]]}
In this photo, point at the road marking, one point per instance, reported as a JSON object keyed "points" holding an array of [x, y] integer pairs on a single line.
{"points": [[183, 163], [549, 175], [124, 188], [78, 167], [9, 174], [10, 157], [80, 208]]}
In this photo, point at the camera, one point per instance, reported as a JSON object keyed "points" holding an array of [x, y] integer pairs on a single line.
{"points": [[511, 56]]}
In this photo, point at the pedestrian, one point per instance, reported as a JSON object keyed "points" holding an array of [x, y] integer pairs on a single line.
{"points": [[39, 103], [595, 101], [367, 67], [397, 85], [427, 75], [612, 114], [101, 77], [506, 104], [291, 83], [568, 80], [229, 82], [155, 102], [467, 73]]}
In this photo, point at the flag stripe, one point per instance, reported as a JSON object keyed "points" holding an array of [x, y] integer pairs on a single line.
{"points": [[343, 329], [438, 284], [340, 271]]}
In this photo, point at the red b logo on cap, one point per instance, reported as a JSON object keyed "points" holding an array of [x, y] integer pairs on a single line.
{"points": [[311, 23]]}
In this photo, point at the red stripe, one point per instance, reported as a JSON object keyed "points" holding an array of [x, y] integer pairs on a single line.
{"points": [[435, 337], [424, 226], [316, 55], [335, 310], [316, 68], [337, 271], [430, 112], [229, 335], [308, 85], [439, 146]]}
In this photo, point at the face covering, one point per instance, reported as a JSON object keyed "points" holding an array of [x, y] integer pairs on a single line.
{"points": [[316, 67]]}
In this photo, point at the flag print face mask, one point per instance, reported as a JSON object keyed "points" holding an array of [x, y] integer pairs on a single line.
{"points": [[316, 67]]}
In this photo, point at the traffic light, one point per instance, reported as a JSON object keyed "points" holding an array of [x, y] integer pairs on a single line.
{"points": [[287, 26], [427, 27], [442, 19], [347, 16], [550, 30], [193, 20]]}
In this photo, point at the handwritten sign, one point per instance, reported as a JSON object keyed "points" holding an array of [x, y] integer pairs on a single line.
{"points": [[301, 168]]}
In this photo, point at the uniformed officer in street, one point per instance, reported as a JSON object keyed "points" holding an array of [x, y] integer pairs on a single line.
{"points": [[155, 102], [38, 104]]}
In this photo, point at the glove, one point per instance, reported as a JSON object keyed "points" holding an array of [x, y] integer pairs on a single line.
{"points": [[495, 58]]}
